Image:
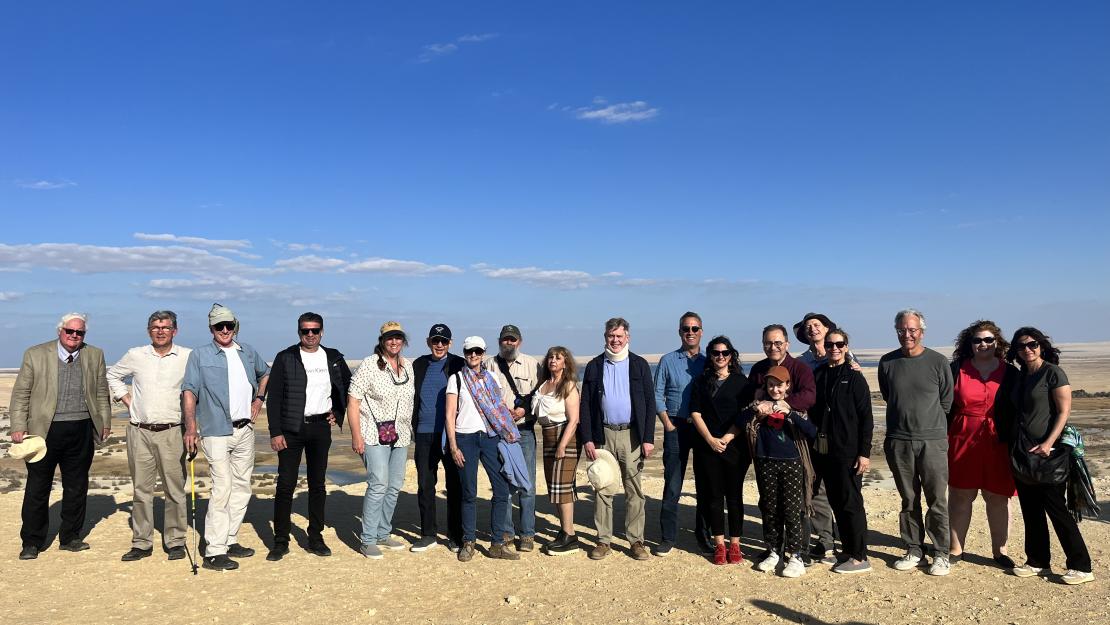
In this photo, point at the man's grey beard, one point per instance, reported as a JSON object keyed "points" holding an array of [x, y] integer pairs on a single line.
{"points": [[509, 353]]}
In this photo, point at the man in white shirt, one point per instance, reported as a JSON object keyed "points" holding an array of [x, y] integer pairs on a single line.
{"points": [[155, 448], [307, 395]]}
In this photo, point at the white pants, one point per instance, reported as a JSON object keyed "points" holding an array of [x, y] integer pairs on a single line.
{"points": [[230, 464]]}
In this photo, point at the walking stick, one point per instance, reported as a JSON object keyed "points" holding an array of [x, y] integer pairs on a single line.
{"points": [[193, 509]]}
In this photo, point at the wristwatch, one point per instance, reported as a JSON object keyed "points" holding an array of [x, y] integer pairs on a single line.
{"points": [[260, 397]]}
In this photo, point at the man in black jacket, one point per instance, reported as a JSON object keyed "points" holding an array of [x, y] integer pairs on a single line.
{"points": [[307, 395], [617, 412], [430, 374]]}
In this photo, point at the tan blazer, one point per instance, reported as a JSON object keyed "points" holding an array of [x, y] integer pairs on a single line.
{"points": [[35, 394]]}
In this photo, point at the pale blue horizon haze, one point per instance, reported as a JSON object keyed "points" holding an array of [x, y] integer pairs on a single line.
{"points": [[552, 165]]}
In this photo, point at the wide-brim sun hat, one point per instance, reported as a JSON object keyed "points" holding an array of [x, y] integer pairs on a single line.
{"points": [[32, 449], [604, 472], [800, 327]]}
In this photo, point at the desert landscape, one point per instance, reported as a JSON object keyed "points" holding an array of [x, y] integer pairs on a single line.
{"points": [[432, 587]]}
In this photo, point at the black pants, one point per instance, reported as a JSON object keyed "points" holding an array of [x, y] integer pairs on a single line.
{"points": [[69, 445], [1036, 501], [428, 456], [314, 440], [845, 491], [781, 495], [719, 481]]}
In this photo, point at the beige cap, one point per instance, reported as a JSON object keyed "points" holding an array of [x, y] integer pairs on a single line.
{"points": [[32, 449]]}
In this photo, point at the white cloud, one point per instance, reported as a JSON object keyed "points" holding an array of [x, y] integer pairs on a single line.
{"points": [[227, 288], [306, 247], [311, 262], [619, 113], [103, 259], [10, 296], [45, 185], [399, 267], [219, 244], [566, 279], [434, 51]]}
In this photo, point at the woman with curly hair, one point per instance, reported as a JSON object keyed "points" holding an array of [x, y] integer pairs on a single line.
{"points": [[1042, 402], [978, 434], [555, 405]]}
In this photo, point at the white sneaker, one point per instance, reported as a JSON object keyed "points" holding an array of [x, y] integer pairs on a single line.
{"points": [[907, 562], [1073, 577], [1025, 570], [769, 563], [940, 566], [794, 567]]}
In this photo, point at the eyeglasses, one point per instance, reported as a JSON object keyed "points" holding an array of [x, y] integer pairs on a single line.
{"points": [[474, 351], [720, 353], [79, 333], [161, 329], [224, 326], [836, 344], [907, 331], [690, 329], [438, 340], [1031, 345], [775, 344], [305, 331], [979, 340]]}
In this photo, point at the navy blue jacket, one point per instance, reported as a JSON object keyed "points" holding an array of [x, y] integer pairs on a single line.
{"points": [[640, 386]]}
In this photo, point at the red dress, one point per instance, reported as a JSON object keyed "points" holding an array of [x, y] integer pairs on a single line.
{"points": [[976, 458]]}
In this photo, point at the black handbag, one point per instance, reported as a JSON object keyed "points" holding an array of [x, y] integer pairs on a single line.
{"points": [[1030, 468]]}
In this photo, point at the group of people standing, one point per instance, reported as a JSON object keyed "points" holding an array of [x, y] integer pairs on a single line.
{"points": [[805, 423]]}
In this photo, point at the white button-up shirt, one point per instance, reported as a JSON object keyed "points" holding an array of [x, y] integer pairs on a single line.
{"points": [[155, 383]]}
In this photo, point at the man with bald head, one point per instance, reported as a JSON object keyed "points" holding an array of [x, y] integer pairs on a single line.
{"points": [[61, 395]]}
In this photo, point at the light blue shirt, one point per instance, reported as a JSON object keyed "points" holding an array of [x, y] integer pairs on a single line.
{"points": [[206, 379], [616, 397], [672, 382]]}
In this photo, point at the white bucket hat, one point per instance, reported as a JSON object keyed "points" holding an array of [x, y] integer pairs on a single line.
{"points": [[604, 472], [32, 449]]}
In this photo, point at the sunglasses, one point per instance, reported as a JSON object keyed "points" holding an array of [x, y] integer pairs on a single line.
{"points": [[306, 331], [439, 340], [474, 350], [224, 326], [509, 339], [1031, 345], [720, 353], [836, 344], [79, 333], [691, 329], [976, 340]]}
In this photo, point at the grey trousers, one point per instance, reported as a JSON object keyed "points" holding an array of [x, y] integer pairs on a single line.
{"points": [[921, 466], [821, 523], [152, 456], [619, 443]]}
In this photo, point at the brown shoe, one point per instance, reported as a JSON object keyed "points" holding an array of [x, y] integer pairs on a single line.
{"points": [[600, 551], [466, 552], [502, 551], [527, 543], [640, 552]]}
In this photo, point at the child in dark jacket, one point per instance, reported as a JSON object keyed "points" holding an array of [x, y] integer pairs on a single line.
{"points": [[778, 437]]}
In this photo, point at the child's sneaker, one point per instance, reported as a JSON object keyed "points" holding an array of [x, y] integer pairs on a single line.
{"points": [[794, 567], [769, 563]]}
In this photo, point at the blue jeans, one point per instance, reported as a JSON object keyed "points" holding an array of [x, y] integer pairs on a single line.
{"points": [[478, 447], [676, 455], [385, 474], [527, 500]]}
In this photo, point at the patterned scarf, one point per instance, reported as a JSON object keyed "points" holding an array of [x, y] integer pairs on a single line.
{"points": [[487, 397]]}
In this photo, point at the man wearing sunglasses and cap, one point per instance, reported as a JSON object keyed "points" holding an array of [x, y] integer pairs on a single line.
{"points": [[221, 396], [430, 373], [517, 375], [61, 395], [307, 395]]}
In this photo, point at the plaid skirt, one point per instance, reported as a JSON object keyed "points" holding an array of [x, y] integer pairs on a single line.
{"points": [[560, 472]]}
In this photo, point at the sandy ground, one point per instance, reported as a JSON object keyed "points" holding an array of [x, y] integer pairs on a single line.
{"points": [[432, 587]]}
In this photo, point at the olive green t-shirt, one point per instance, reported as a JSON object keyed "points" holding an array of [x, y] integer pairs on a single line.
{"points": [[1033, 399]]}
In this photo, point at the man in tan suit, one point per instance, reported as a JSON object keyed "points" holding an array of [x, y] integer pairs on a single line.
{"points": [[60, 394]]}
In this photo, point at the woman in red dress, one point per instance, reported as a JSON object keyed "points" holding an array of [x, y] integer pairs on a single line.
{"points": [[978, 435]]}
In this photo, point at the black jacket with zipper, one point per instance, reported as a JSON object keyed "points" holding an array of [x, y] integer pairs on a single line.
{"points": [[843, 411], [285, 395]]}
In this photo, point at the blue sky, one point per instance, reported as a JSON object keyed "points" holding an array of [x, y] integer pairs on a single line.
{"points": [[552, 165]]}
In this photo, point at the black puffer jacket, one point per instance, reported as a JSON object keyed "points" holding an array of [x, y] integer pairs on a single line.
{"points": [[288, 381]]}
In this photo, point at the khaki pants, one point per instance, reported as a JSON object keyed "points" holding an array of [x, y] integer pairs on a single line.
{"points": [[619, 443], [152, 456]]}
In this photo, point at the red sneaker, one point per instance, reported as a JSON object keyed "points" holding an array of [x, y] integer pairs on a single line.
{"points": [[719, 555], [734, 555]]}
